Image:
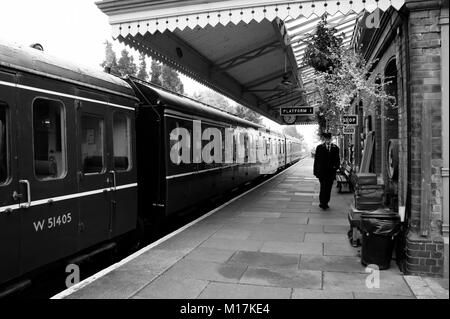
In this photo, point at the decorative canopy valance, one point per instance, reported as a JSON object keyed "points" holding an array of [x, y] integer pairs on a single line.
{"points": [[249, 50]]}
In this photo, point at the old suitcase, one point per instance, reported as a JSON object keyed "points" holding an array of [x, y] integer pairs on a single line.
{"points": [[369, 197], [368, 203], [370, 191], [366, 179]]}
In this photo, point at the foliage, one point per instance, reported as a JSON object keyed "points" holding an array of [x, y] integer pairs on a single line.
{"points": [[320, 46], [126, 65], [155, 72], [110, 57], [171, 80], [352, 79], [163, 75], [247, 114], [219, 101], [142, 72], [214, 99], [342, 75], [291, 130]]}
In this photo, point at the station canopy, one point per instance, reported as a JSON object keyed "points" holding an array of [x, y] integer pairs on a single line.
{"points": [[249, 50]]}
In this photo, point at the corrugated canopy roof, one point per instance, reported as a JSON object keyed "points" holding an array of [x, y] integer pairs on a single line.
{"points": [[251, 51]]}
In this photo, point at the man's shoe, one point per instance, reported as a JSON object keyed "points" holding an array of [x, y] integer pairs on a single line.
{"points": [[326, 206], [322, 206]]}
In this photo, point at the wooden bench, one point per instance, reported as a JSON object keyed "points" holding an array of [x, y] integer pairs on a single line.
{"points": [[343, 178]]}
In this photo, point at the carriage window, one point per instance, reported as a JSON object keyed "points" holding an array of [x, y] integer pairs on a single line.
{"points": [[92, 144], [122, 142], [49, 139], [3, 144]]}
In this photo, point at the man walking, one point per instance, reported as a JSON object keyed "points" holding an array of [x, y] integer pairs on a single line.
{"points": [[326, 162]]}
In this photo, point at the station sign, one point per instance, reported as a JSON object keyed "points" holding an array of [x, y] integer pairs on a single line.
{"points": [[350, 119], [300, 110], [348, 130]]}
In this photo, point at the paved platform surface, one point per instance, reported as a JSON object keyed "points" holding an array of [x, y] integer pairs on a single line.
{"points": [[274, 242]]}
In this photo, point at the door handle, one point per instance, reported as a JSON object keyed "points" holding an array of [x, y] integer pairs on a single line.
{"points": [[27, 183], [114, 179]]}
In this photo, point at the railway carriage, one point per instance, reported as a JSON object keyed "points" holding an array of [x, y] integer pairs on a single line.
{"points": [[68, 167], [87, 158], [188, 178]]}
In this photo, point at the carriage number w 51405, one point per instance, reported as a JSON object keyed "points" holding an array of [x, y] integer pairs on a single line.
{"points": [[52, 222]]}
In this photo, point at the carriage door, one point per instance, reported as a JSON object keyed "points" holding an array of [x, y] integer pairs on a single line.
{"points": [[9, 217], [46, 183], [124, 189], [95, 180]]}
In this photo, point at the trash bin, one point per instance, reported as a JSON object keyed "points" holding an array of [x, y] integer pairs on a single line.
{"points": [[379, 229]]}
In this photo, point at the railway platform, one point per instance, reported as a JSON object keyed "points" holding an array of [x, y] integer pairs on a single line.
{"points": [[272, 242]]}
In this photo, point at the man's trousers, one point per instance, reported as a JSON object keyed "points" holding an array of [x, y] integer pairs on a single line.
{"points": [[325, 190]]}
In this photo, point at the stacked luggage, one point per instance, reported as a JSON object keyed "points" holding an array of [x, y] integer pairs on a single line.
{"points": [[368, 197]]}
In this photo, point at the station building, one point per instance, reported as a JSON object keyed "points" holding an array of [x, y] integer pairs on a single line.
{"points": [[243, 49], [410, 49]]}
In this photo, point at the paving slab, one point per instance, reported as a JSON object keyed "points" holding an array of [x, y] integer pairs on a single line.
{"points": [[365, 295], [331, 263], [266, 260], [217, 290], [210, 254], [293, 236], [233, 233], [340, 249], [292, 248], [169, 288], [261, 214], [390, 284], [244, 220], [186, 242], [301, 293], [427, 287], [326, 238], [232, 244], [286, 278], [286, 220], [204, 270], [336, 229], [154, 261], [118, 284], [328, 221]]}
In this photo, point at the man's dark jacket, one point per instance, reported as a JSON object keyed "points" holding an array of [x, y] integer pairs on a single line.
{"points": [[326, 162]]}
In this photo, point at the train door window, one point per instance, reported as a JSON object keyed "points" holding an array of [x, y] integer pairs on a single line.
{"points": [[92, 144], [49, 139], [3, 143], [121, 142], [246, 147]]}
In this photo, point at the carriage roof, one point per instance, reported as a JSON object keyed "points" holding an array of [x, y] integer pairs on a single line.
{"points": [[27, 59]]}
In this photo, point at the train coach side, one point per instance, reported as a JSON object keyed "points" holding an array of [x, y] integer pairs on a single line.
{"points": [[198, 152], [293, 149], [67, 163]]}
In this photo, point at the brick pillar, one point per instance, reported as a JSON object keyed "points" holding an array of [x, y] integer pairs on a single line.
{"points": [[424, 34], [445, 132]]}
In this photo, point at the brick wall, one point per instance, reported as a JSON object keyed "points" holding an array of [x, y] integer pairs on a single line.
{"points": [[425, 89], [424, 257], [417, 48]]}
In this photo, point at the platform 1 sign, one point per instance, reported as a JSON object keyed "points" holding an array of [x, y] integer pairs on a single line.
{"points": [[350, 120], [301, 110], [348, 130]]}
